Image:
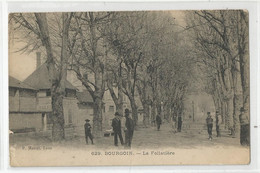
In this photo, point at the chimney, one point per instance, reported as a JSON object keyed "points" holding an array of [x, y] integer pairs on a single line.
{"points": [[38, 60]]}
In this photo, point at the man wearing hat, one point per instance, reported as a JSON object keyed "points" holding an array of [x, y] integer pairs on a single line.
{"points": [[209, 122], [129, 129], [88, 134], [218, 121], [116, 124], [244, 128]]}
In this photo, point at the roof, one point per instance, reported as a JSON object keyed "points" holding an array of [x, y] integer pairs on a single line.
{"points": [[40, 79], [15, 83], [84, 97]]}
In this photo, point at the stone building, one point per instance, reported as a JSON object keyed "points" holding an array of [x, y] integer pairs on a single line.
{"points": [[23, 113], [85, 110], [40, 80]]}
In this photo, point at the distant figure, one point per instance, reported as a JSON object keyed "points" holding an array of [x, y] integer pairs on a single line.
{"points": [[88, 134], [209, 122], [116, 124], [179, 123], [129, 129], [244, 128], [218, 121], [158, 122]]}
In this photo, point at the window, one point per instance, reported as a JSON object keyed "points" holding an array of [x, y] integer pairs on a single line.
{"points": [[70, 93], [48, 93], [27, 93], [111, 109]]}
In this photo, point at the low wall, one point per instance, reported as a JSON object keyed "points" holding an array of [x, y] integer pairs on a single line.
{"points": [[25, 120]]}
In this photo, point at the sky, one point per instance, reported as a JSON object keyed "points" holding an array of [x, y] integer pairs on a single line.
{"points": [[21, 65]]}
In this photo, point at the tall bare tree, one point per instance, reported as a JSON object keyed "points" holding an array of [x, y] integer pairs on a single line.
{"points": [[36, 26], [87, 49], [218, 38]]}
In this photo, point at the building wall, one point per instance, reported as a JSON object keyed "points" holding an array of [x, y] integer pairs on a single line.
{"points": [[25, 120], [13, 100], [27, 104], [70, 110], [22, 100], [44, 104]]}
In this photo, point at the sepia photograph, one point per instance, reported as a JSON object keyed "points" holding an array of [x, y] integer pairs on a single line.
{"points": [[129, 88]]}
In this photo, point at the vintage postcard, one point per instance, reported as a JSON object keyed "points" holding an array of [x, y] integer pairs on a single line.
{"points": [[129, 88]]}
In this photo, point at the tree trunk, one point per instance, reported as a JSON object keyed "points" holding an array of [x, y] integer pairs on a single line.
{"points": [[57, 88], [153, 112], [223, 113], [167, 112], [146, 116], [225, 110], [58, 133], [237, 105], [237, 102], [97, 116], [230, 111], [134, 109], [118, 100], [243, 47], [119, 106]]}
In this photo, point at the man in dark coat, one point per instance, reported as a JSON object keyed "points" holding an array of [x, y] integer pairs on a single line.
{"points": [[88, 134], [158, 122], [129, 129], [209, 122], [116, 124]]}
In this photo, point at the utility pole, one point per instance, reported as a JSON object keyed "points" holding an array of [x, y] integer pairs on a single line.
{"points": [[193, 111]]}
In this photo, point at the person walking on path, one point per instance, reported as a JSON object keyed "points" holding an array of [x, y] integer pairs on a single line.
{"points": [[129, 129], [116, 124], [209, 122], [244, 128], [158, 122], [218, 121], [88, 133]]}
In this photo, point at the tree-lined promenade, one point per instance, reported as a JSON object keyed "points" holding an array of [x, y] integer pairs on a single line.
{"points": [[149, 55]]}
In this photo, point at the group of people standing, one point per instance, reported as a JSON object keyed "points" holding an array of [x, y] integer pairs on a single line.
{"points": [[117, 128], [129, 126], [244, 126], [209, 121], [128, 129]]}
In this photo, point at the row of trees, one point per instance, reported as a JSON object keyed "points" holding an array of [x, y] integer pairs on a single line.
{"points": [[221, 40], [138, 53]]}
